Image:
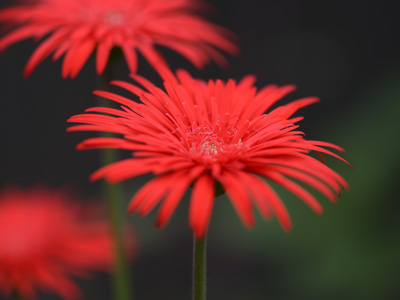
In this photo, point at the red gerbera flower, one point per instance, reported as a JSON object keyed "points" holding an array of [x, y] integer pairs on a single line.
{"points": [[77, 27], [45, 238], [211, 133]]}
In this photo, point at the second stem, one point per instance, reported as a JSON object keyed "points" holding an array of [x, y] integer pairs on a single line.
{"points": [[122, 290]]}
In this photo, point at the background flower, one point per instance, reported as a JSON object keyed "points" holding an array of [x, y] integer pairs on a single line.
{"points": [[77, 28], [201, 133], [46, 237]]}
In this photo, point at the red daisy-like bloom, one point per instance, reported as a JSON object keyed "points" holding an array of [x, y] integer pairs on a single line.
{"points": [[209, 134], [45, 238], [76, 28]]}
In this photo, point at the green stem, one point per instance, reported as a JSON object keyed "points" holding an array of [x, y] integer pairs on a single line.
{"points": [[15, 296], [199, 268], [122, 286]]}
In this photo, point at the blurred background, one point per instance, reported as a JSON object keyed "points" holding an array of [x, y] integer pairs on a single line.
{"points": [[345, 52]]}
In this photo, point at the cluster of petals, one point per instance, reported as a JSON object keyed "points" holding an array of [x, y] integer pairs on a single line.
{"points": [[78, 28], [45, 238], [208, 134]]}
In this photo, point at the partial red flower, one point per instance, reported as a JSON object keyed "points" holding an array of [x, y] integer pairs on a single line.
{"points": [[208, 134], [77, 28], [45, 238]]}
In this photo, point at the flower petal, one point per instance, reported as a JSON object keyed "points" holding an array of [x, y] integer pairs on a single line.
{"points": [[201, 205], [239, 197]]}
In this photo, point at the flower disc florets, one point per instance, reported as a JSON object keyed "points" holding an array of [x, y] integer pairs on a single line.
{"points": [[207, 133], [211, 145]]}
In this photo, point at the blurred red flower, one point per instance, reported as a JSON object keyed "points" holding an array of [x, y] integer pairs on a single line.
{"points": [[45, 238], [77, 28], [207, 133]]}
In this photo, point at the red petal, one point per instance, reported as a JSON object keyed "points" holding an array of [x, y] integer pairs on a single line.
{"points": [[201, 205], [122, 170], [171, 202], [130, 56], [259, 198], [308, 180], [275, 202], [297, 190], [239, 198], [18, 35], [82, 53], [44, 50], [103, 53], [150, 194]]}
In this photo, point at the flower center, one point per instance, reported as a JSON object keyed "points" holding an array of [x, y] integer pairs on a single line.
{"points": [[201, 140], [213, 143], [211, 148], [113, 18]]}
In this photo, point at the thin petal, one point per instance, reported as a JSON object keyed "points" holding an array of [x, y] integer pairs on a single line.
{"points": [[275, 202], [201, 205], [239, 198], [157, 62], [259, 198], [297, 190], [17, 36], [150, 194], [171, 202], [122, 170], [130, 56], [308, 180], [83, 52], [105, 142], [103, 53], [44, 50]]}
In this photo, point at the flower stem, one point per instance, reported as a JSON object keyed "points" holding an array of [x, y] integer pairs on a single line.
{"points": [[199, 268], [15, 296], [121, 284]]}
